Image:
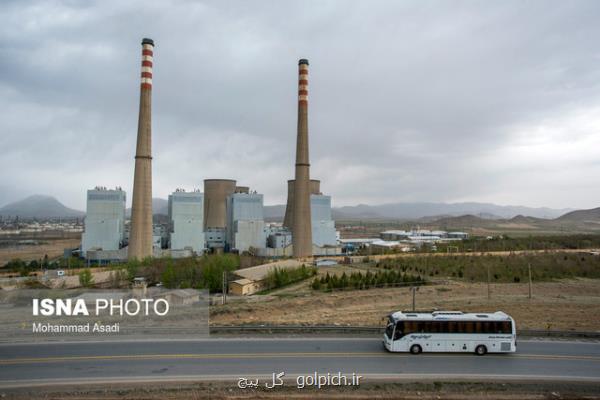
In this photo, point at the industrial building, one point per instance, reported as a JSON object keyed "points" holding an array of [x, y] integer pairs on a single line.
{"points": [[186, 216], [245, 221], [226, 217], [422, 235], [323, 226], [216, 192], [105, 220], [254, 279]]}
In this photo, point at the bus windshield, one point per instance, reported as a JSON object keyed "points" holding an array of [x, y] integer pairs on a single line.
{"points": [[389, 329]]}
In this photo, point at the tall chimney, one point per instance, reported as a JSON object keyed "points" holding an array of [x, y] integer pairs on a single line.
{"points": [[140, 235], [301, 225]]}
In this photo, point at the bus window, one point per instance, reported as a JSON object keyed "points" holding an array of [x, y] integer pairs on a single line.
{"points": [[506, 327], [389, 329], [452, 327], [427, 327], [443, 327], [479, 327], [488, 327], [410, 327], [399, 332], [469, 326]]}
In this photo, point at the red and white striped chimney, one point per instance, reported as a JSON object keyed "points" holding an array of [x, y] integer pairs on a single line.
{"points": [[147, 60]]}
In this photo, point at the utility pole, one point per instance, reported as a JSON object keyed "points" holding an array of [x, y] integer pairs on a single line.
{"points": [[414, 291], [529, 268], [488, 283], [224, 287]]}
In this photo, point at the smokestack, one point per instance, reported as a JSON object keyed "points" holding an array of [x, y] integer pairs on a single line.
{"points": [[140, 234], [301, 223], [315, 188]]}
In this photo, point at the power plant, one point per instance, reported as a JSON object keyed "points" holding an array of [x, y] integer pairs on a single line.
{"points": [[140, 236], [215, 202], [288, 219], [225, 218], [301, 226]]}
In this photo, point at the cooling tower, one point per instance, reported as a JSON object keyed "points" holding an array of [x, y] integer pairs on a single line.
{"points": [[215, 201], [301, 226], [140, 236], [315, 188]]}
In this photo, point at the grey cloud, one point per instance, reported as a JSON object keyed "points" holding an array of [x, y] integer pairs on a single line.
{"points": [[409, 101]]}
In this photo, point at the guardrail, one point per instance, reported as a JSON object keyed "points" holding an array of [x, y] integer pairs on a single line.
{"points": [[298, 329]]}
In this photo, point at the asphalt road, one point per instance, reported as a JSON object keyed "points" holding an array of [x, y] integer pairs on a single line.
{"points": [[28, 365]]}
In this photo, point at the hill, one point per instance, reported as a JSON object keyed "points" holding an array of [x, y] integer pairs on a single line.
{"points": [[412, 211], [39, 206], [592, 215], [427, 212], [159, 206]]}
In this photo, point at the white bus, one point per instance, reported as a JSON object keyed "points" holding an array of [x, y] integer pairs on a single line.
{"points": [[450, 331]]}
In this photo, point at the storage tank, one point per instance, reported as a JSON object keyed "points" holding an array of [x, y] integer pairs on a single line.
{"points": [[315, 188], [215, 201]]}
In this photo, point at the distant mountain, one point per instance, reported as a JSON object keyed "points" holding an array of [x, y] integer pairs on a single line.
{"points": [[522, 219], [39, 206], [426, 212], [159, 206], [464, 221], [592, 215], [412, 211]]}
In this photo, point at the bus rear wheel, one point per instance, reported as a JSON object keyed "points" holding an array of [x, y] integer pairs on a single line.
{"points": [[480, 350], [415, 349]]}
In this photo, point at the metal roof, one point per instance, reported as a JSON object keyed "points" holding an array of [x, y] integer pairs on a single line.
{"points": [[450, 315]]}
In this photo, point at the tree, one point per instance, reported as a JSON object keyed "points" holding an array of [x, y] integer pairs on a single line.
{"points": [[85, 278], [168, 277]]}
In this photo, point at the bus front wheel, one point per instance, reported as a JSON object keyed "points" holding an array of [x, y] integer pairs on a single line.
{"points": [[415, 349], [480, 350]]}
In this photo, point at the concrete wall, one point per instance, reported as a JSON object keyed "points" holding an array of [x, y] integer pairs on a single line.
{"points": [[249, 234]]}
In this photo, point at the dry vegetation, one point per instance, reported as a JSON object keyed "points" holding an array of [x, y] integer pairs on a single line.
{"points": [[572, 304], [52, 247]]}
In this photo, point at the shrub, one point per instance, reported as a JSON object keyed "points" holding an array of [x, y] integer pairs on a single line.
{"points": [[85, 278]]}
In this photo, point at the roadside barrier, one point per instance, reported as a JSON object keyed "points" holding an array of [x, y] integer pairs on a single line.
{"points": [[304, 329]]}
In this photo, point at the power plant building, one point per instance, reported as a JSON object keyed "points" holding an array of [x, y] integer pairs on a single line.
{"points": [[323, 226], [104, 220], [186, 214], [245, 221], [215, 210]]}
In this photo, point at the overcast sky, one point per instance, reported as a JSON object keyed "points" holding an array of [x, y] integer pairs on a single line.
{"points": [[409, 101]]}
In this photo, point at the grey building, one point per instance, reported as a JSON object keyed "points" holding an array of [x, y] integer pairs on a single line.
{"points": [[186, 213], [245, 221], [323, 226], [104, 227]]}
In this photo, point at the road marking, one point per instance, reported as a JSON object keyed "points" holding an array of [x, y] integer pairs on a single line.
{"points": [[34, 360]]}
